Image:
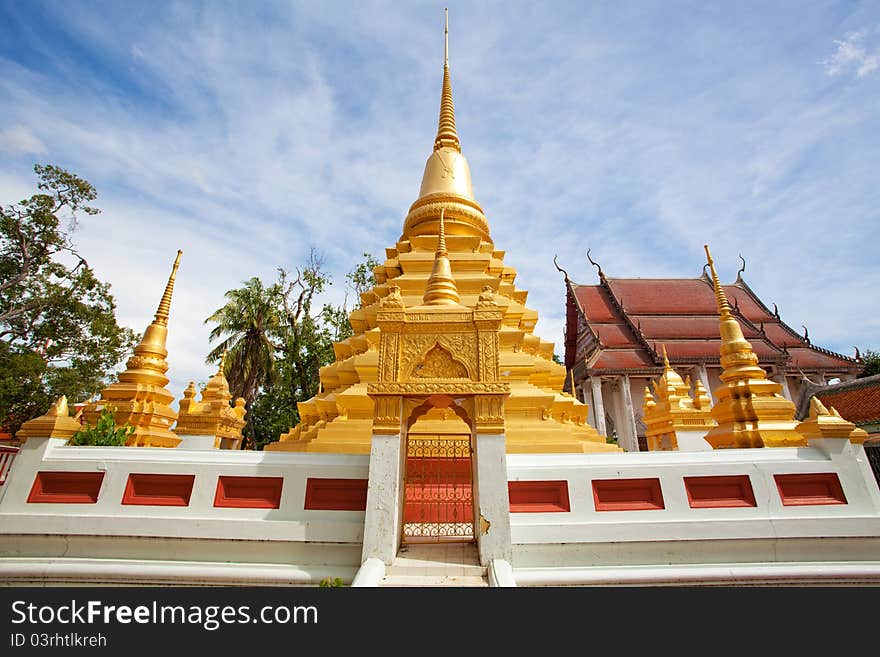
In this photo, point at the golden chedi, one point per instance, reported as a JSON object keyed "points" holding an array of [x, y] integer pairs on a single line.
{"points": [[444, 304], [212, 415], [825, 422], [749, 410], [672, 409], [139, 396], [56, 423]]}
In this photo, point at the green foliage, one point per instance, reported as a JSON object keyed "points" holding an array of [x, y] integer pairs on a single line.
{"points": [[557, 359], [278, 341], [105, 433], [331, 581], [871, 360], [58, 330]]}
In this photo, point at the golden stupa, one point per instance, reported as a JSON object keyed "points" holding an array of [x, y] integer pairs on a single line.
{"points": [[212, 415], [55, 423], [444, 342], [749, 409], [672, 408], [139, 396]]}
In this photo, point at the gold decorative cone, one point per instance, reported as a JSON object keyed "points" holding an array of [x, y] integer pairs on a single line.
{"points": [[139, 396], [749, 410]]}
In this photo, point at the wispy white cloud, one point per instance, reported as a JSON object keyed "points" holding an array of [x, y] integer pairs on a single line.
{"points": [[20, 140], [852, 55]]}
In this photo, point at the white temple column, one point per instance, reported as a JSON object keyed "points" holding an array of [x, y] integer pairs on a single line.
{"points": [[384, 496], [630, 431], [492, 524], [586, 397], [704, 379], [781, 379], [598, 407]]}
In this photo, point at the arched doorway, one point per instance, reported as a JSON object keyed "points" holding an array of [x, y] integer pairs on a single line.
{"points": [[438, 475]]}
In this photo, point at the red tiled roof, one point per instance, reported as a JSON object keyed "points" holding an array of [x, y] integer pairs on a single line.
{"points": [[643, 314], [860, 405], [594, 298], [684, 296], [620, 359]]}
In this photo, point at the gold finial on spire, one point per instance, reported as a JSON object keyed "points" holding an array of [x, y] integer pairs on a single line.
{"points": [[441, 244], [222, 368], [666, 359], [165, 304], [446, 38], [447, 137], [441, 289], [721, 298]]}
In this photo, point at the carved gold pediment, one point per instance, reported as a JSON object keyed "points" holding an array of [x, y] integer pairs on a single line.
{"points": [[439, 364]]}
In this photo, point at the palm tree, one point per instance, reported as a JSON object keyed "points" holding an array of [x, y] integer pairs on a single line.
{"points": [[248, 322]]}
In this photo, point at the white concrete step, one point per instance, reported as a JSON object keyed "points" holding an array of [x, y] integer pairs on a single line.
{"points": [[432, 580], [443, 564]]}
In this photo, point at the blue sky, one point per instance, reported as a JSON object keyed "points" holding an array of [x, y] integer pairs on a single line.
{"points": [[247, 133]]}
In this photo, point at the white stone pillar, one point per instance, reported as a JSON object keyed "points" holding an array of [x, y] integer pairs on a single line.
{"points": [[598, 406], [382, 523], [629, 417], [783, 381], [704, 379], [492, 521]]}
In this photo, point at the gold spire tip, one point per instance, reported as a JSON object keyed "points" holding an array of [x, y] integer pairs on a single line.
{"points": [[446, 38], [165, 304], [720, 297], [665, 358], [447, 137], [441, 245]]}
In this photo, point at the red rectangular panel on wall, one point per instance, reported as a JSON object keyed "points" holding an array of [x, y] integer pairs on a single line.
{"points": [[802, 489], [336, 494], [248, 492], [627, 494], [66, 487], [538, 496], [158, 489], [716, 492]]}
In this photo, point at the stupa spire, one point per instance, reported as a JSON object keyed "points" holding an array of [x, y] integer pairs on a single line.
{"points": [[441, 289], [165, 303], [737, 357], [750, 412], [139, 396], [446, 134]]}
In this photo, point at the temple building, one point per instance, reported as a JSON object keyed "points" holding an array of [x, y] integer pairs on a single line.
{"points": [[615, 332], [442, 450]]}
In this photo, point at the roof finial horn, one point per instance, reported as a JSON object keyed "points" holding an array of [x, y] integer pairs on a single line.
{"points": [[595, 264], [560, 269]]}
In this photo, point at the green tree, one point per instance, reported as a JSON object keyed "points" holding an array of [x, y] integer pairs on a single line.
{"points": [[871, 361], [301, 343], [246, 327], [58, 329], [105, 433]]}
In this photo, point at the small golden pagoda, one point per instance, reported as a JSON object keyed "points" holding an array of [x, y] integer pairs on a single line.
{"points": [[56, 423], [445, 326], [139, 396], [671, 408], [212, 415], [827, 423], [749, 410]]}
